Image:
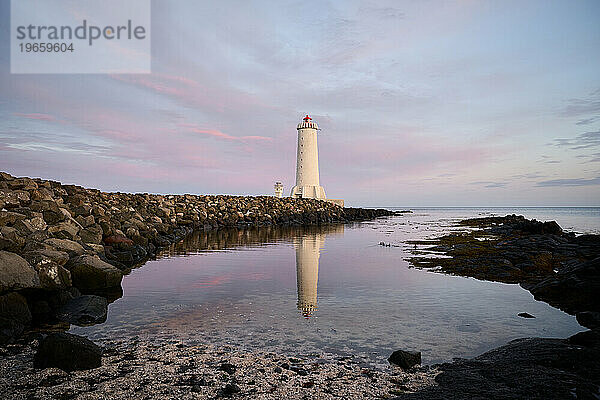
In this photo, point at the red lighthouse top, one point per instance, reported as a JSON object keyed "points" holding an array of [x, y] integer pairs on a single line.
{"points": [[307, 118]]}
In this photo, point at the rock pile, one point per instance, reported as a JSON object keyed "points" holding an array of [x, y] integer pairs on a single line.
{"points": [[58, 241]]}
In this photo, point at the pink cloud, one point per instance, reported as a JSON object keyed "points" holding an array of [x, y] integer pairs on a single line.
{"points": [[221, 135], [36, 116]]}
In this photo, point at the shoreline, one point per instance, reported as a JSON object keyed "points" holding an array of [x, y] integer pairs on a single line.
{"points": [[136, 368]]}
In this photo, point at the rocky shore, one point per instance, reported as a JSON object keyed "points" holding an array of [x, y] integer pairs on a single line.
{"points": [[158, 369], [557, 267], [64, 248]]}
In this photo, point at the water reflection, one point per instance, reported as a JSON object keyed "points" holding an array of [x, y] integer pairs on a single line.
{"points": [[308, 242], [308, 250], [232, 238]]}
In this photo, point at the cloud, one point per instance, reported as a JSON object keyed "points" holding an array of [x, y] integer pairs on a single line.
{"points": [[570, 182], [582, 141], [585, 106], [489, 184], [221, 135], [36, 116], [587, 121]]}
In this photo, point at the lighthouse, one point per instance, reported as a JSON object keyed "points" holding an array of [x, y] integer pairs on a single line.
{"points": [[307, 162]]}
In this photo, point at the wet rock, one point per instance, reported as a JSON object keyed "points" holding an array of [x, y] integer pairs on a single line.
{"points": [[405, 359], [589, 319], [67, 352], [84, 310], [91, 274], [587, 339], [523, 369], [229, 390], [227, 367], [16, 273], [14, 316], [525, 315]]}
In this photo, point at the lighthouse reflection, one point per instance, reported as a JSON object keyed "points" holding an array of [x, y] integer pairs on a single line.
{"points": [[308, 251], [307, 240]]}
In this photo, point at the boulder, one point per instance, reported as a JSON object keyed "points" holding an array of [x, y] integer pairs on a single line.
{"points": [[14, 316], [589, 319], [46, 253], [52, 275], [91, 234], [405, 359], [91, 274], [10, 239], [67, 352], [65, 230], [16, 273], [68, 246], [9, 218], [84, 310]]}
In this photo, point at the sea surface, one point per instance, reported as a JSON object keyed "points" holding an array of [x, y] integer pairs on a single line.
{"points": [[333, 291]]}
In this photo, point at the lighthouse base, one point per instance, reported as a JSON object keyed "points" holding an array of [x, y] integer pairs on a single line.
{"points": [[308, 192]]}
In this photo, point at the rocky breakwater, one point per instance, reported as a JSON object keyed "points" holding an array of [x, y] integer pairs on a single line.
{"points": [[61, 242]]}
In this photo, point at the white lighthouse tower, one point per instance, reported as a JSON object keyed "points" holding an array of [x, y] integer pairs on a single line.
{"points": [[307, 162]]}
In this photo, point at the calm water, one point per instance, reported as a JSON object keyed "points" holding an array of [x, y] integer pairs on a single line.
{"points": [[332, 290]]}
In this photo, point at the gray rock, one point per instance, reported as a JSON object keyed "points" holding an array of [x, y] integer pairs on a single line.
{"points": [[16, 273], [65, 230], [66, 245], [405, 359], [67, 352], [84, 310], [91, 274]]}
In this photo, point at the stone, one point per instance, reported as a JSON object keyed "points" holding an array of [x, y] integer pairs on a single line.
{"points": [[91, 274], [589, 319], [46, 253], [65, 230], [405, 359], [91, 234], [16, 273], [14, 316], [84, 310], [67, 352], [8, 218], [52, 275], [10, 239], [68, 246], [525, 315]]}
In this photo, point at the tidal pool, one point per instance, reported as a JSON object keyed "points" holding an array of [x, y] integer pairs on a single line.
{"points": [[323, 290]]}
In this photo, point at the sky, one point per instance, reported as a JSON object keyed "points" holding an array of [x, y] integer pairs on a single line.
{"points": [[421, 103]]}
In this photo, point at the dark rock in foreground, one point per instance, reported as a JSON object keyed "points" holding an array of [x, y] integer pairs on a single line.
{"points": [[523, 369], [14, 316], [405, 359], [67, 352]]}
